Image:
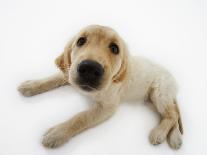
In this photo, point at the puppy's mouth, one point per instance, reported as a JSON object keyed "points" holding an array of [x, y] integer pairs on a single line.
{"points": [[87, 88], [88, 85]]}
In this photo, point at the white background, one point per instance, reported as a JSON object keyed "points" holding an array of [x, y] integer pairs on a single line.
{"points": [[32, 33]]}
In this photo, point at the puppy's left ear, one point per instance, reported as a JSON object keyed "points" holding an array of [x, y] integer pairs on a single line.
{"points": [[122, 71], [63, 62]]}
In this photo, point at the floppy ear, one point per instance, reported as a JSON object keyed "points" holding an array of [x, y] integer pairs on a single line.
{"points": [[63, 62], [59, 61], [122, 71]]}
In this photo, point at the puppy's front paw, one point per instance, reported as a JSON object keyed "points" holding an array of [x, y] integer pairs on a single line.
{"points": [[28, 88], [55, 137], [157, 136], [175, 139]]}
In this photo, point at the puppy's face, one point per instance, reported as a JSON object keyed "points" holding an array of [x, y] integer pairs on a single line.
{"points": [[94, 59]]}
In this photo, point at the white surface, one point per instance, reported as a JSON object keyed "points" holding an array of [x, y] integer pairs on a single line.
{"points": [[33, 33]]}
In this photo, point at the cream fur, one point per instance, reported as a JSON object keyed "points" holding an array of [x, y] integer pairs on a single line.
{"points": [[126, 78]]}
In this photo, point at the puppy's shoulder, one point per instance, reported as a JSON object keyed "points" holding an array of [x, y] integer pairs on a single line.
{"points": [[138, 63], [144, 69]]}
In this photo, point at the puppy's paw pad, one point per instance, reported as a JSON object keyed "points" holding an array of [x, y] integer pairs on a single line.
{"points": [[28, 88], [175, 140], [54, 137], [156, 136]]}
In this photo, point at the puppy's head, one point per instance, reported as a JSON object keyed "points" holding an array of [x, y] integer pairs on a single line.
{"points": [[95, 58]]}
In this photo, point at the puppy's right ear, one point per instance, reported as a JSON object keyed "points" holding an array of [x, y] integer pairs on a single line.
{"points": [[59, 61], [63, 62]]}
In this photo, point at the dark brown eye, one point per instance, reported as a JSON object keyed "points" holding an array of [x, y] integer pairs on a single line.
{"points": [[114, 48], [81, 41]]}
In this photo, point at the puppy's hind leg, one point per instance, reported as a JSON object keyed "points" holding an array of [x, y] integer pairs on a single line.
{"points": [[175, 134], [175, 137], [166, 107], [160, 132], [34, 87]]}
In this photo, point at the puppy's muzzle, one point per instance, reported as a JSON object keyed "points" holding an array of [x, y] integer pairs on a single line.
{"points": [[90, 74]]}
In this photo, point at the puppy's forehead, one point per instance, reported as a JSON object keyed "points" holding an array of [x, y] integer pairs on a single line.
{"points": [[100, 33]]}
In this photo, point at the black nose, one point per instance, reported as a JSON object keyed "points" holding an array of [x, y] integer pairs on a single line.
{"points": [[90, 71]]}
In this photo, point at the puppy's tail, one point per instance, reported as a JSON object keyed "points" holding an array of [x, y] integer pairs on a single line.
{"points": [[179, 118]]}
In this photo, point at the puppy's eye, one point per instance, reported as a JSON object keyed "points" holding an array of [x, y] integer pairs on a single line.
{"points": [[81, 41], [114, 48]]}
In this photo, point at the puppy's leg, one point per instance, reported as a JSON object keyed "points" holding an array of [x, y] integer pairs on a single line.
{"points": [[61, 133], [168, 120], [166, 107], [175, 137], [33, 87]]}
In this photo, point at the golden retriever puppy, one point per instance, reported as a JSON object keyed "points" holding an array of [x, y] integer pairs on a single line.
{"points": [[96, 62]]}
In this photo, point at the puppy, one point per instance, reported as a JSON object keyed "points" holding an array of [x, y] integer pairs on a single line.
{"points": [[96, 62]]}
